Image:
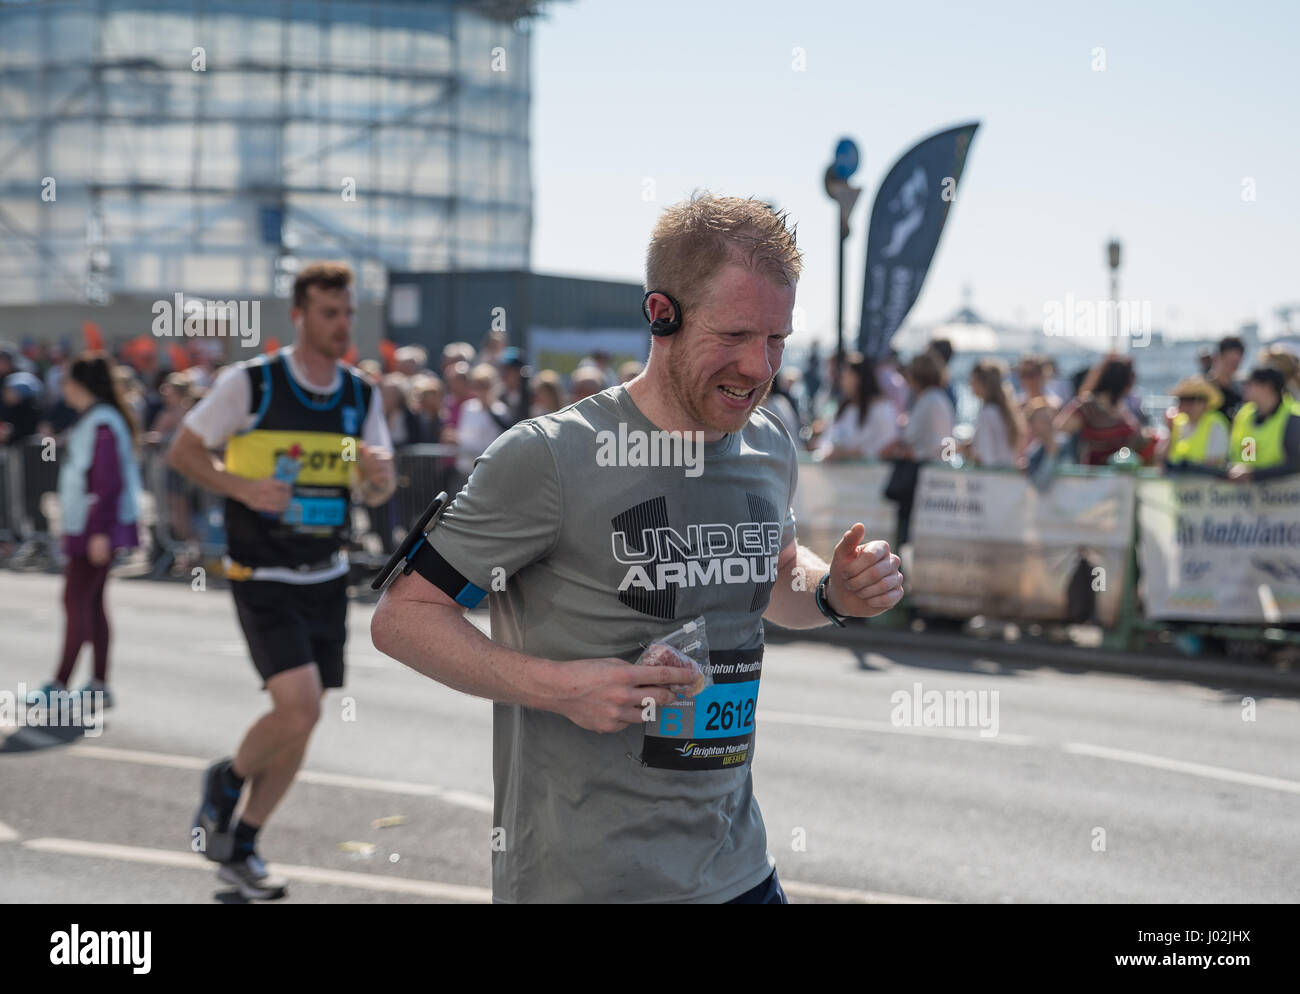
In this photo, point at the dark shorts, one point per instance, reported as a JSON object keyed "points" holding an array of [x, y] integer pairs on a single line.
{"points": [[768, 892], [292, 624]]}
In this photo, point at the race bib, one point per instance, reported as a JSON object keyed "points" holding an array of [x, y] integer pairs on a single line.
{"points": [[316, 510], [713, 730]]}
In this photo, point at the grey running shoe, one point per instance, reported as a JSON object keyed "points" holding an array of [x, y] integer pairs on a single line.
{"points": [[253, 879], [90, 701], [47, 696]]}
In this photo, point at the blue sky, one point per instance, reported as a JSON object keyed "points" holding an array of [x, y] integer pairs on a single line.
{"points": [[1154, 149]]}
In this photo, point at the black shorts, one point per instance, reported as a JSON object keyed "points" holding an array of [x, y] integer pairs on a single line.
{"points": [[292, 624], [768, 892]]}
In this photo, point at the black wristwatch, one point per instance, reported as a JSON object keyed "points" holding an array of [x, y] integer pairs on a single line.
{"points": [[823, 605]]}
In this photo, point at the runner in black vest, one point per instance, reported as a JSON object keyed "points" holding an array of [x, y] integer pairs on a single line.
{"points": [[287, 559]]}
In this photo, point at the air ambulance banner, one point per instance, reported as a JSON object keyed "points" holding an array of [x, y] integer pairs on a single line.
{"points": [[1219, 551], [831, 497], [991, 543]]}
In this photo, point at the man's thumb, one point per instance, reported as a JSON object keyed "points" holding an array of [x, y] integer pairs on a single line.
{"points": [[851, 540]]}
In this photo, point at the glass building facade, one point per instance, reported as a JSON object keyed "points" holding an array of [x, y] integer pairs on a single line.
{"points": [[208, 147]]}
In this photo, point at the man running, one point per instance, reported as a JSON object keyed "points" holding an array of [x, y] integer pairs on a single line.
{"points": [[592, 551], [304, 434]]}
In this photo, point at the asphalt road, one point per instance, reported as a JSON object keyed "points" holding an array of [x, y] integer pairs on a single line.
{"points": [[1095, 787]]}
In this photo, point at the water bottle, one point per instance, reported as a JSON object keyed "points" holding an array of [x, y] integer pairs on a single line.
{"points": [[287, 466]]}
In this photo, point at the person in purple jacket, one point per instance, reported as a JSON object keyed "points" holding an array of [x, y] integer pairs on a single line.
{"points": [[99, 494]]}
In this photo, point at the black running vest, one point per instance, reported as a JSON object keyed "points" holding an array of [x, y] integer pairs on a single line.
{"points": [[328, 430]]}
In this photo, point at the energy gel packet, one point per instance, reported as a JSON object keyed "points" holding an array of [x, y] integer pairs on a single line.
{"points": [[687, 647]]}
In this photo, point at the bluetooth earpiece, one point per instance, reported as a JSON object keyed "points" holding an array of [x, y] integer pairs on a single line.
{"points": [[662, 327]]}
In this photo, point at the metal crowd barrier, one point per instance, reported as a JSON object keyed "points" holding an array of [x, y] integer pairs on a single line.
{"points": [[40, 476], [188, 527], [182, 524], [26, 494], [422, 471], [9, 484]]}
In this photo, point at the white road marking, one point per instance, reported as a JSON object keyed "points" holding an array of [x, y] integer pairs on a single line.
{"points": [[306, 874], [239, 650], [480, 803], [135, 756], [460, 798], [1180, 766], [847, 895], [7, 834], [872, 725], [392, 885], [1075, 748]]}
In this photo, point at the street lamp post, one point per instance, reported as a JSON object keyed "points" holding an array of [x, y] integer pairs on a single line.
{"points": [[844, 165], [1113, 260]]}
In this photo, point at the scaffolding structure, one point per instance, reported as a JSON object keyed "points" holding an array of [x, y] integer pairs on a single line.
{"points": [[211, 146]]}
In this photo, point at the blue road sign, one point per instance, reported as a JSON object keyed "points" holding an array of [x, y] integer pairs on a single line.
{"points": [[272, 221], [846, 158]]}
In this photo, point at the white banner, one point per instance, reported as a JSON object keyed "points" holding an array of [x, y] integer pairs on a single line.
{"points": [[1219, 551], [986, 542], [831, 497]]}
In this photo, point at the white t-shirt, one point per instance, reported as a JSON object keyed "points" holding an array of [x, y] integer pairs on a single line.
{"points": [[397, 426], [476, 430], [224, 410], [892, 382], [878, 429], [784, 410], [929, 422], [990, 445]]}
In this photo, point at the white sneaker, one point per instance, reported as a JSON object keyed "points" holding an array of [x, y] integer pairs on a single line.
{"points": [[253, 879]]}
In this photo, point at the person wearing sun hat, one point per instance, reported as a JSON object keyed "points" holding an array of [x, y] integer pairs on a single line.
{"points": [[1199, 432]]}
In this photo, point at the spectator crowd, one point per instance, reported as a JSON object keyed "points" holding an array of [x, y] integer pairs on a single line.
{"points": [[469, 398], [1030, 417]]}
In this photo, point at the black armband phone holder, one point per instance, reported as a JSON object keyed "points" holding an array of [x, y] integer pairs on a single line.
{"points": [[416, 555], [414, 539]]}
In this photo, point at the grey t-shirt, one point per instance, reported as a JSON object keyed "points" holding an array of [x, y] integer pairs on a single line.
{"points": [[586, 552]]}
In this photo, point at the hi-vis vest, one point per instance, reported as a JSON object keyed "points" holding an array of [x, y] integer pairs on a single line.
{"points": [[1189, 447], [328, 429], [1268, 436]]}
